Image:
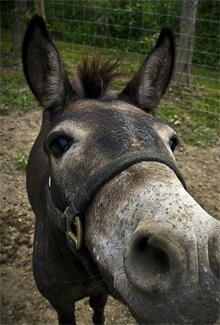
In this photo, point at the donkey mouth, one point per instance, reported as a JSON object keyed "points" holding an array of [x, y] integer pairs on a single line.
{"points": [[179, 311]]}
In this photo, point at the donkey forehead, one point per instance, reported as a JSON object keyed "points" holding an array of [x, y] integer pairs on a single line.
{"points": [[86, 116]]}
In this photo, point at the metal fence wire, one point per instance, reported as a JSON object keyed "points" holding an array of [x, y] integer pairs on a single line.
{"points": [[131, 27]]}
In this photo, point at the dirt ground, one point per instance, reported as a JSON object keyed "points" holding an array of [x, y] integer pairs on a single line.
{"points": [[21, 303]]}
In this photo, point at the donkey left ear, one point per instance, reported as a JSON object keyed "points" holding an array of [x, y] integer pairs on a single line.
{"points": [[43, 68], [149, 84]]}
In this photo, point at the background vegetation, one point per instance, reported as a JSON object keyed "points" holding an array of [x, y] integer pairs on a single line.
{"points": [[123, 24], [131, 28]]}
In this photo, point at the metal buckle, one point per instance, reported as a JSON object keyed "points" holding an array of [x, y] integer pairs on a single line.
{"points": [[78, 238]]}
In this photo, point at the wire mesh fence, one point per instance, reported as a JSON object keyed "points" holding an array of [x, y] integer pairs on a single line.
{"points": [[132, 27]]}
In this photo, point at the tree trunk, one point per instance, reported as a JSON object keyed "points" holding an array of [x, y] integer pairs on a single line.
{"points": [[187, 32], [39, 7], [19, 25]]}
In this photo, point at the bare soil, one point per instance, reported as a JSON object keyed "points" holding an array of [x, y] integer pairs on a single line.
{"points": [[21, 303]]}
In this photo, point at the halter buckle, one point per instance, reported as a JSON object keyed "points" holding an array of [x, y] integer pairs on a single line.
{"points": [[78, 238]]}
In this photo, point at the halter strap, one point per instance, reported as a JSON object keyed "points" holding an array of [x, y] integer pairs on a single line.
{"points": [[71, 217], [73, 214]]}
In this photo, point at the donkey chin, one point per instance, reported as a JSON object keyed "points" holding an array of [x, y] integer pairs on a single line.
{"points": [[165, 267]]}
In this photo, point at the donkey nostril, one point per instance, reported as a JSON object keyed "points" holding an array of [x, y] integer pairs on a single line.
{"points": [[150, 261], [154, 260], [142, 244]]}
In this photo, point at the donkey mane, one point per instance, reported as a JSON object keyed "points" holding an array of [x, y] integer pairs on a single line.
{"points": [[96, 73]]}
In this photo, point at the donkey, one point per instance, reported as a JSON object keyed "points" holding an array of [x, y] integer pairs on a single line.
{"points": [[113, 215]]}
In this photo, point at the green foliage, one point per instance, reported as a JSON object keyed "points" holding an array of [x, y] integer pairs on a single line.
{"points": [[7, 12], [129, 26], [193, 112], [132, 27], [124, 25], [14, 91], [193, 128], [206, 47], [21, 159]]}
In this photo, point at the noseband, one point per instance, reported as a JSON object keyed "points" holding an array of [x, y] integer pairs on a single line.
{"points": [[69, 221], [73, 214]]}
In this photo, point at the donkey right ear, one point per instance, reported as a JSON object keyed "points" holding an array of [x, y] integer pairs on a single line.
{"points": [[150, 82], [43, 69]]}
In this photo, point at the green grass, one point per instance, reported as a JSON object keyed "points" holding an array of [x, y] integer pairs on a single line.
{"points": [[21, 159], [195, 128], [14, 91], [193, 112]]}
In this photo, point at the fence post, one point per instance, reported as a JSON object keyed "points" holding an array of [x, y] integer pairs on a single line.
{"points": [[39, 7], [19, 25], [185, 51]]}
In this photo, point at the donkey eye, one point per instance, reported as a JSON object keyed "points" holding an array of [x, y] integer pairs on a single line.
{"points": [[173, 142], [59, 145]]}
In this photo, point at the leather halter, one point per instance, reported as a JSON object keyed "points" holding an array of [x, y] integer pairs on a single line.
{"points": [[72, 216], [65, 220]]}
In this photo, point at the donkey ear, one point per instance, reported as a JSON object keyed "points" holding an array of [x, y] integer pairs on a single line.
{"points": [[42, 67], [149, 84]]}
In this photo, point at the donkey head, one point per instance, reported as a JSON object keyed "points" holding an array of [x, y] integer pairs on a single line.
{"points": [[112, 161]]}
